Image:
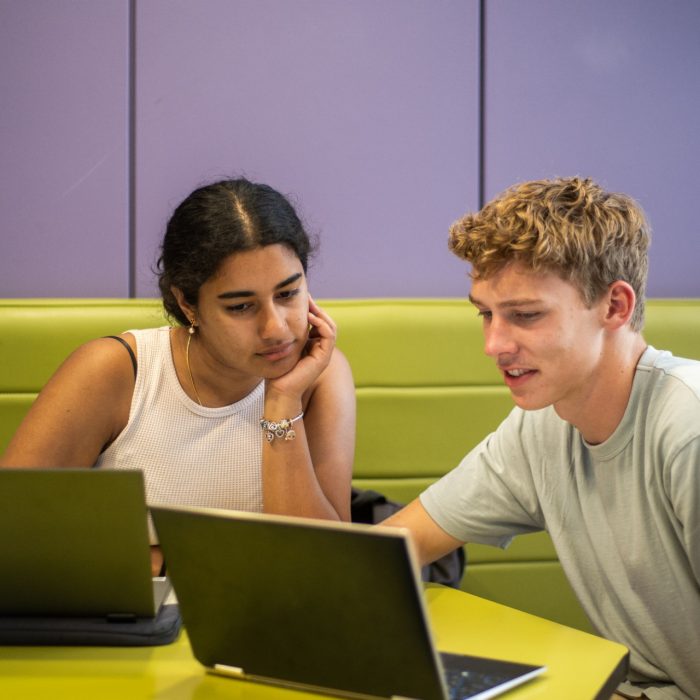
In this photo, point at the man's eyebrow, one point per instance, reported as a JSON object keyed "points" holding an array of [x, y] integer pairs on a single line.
{"points": [[233, 294], [509, 303]]}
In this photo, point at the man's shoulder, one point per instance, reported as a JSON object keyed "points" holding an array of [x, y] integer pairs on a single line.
{"points": [[670, 375], [668, 401]]}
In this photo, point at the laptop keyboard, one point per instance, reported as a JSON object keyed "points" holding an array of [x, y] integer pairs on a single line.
{"points": [[466, 684]]}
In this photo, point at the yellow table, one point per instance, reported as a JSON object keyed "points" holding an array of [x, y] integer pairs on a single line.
{"points": [[580, 665]]}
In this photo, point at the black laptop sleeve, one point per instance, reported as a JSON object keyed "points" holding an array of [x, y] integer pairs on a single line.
{"points": [[164, 628]]}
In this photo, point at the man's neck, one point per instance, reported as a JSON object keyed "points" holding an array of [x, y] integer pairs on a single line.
{"points": [[597, 416]]}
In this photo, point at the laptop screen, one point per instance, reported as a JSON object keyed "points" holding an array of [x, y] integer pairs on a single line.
{"points": [[74, 542], [335, 607]]}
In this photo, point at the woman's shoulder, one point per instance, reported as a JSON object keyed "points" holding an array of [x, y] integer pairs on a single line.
{"points": [[110, 363], [335, 381], [338, 370]]}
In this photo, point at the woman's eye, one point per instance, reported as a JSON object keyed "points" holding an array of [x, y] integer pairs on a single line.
{"points": [[288, 293], [240, 308]]}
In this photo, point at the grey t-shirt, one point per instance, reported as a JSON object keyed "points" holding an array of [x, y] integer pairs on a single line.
{"points": [[624, 516]]}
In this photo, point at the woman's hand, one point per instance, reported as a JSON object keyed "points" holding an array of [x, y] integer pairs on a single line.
{"points": [[156, 560], [310, 474], [314, 359]]}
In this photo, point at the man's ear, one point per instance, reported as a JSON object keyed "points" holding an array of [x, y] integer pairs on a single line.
{"points": [[187, 309], [621, 301]]}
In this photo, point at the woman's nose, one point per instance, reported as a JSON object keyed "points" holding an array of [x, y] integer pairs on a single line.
{"points": [[272, 324]]}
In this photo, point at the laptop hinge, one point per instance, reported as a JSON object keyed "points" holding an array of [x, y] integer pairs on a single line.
{"points": [[224, 670]]}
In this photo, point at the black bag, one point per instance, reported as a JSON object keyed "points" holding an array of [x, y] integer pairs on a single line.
{"points": [[371, 507], [92, 631]]}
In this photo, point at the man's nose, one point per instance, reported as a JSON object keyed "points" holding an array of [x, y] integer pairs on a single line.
{"points": [[498, 339]]}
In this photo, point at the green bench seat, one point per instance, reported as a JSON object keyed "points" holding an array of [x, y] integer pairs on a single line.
{"points": [[426, 394]]}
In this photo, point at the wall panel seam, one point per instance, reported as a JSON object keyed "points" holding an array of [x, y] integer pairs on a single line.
{"points": [[481, 99], [131, 165]]}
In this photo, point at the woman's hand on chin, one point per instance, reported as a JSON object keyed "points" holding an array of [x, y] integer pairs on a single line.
{"points": [[314, 358]]}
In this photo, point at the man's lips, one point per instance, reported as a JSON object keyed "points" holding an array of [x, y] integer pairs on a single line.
{"points": [[515, 376], [517, 372]]}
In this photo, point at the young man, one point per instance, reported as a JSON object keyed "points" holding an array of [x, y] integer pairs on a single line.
{"points": [[603, 448]]}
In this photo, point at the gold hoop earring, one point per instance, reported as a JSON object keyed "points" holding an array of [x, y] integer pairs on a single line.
{"points": [[191, 331]]}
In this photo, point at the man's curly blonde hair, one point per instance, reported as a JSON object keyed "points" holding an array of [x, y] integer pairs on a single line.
{"points": [[569, 226]]}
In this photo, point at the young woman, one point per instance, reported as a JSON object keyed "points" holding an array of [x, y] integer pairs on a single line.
{"points": [[245, 403]]}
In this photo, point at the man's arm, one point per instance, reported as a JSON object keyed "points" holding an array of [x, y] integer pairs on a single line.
{"points": [[430, 540]]}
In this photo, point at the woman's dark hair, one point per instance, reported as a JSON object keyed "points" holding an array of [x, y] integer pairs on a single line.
{"points": [[215, 221]]}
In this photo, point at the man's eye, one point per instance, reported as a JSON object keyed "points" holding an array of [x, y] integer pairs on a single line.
{"points": [[486, 315], [526, 315]]}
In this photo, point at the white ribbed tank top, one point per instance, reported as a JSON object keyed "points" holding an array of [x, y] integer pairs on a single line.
{"points": [[189, 454]]}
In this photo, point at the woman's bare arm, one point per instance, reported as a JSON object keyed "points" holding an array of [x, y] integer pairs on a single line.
{"points": [[310, 475], [82, 408]]}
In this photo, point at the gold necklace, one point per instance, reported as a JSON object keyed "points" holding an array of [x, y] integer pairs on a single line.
{"points": [[189, 370]]}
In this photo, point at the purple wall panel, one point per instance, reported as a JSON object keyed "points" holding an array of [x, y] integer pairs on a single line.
{"points": [[63, 148], [365, 111], [609, 90]]}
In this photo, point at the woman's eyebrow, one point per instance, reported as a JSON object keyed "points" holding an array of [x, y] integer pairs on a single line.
{"points": [[246, 293], [289, 280]]}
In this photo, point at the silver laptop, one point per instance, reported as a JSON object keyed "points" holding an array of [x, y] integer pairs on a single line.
{"points": [[327, 607], [74, 543]]}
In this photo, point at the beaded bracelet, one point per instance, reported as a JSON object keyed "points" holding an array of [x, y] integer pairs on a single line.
{"points": [[280, 428]]}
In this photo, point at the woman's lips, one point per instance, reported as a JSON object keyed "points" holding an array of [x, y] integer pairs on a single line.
{"points": [[278, 352]]}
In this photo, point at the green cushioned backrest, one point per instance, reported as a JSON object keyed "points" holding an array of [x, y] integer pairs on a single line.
{"points": [[41, 333], [426, 393], [413, 342], [674, 324], [423, 431]]}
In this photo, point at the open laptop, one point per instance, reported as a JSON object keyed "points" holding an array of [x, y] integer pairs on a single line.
{"points": [[328, 607], [74, 543]]}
